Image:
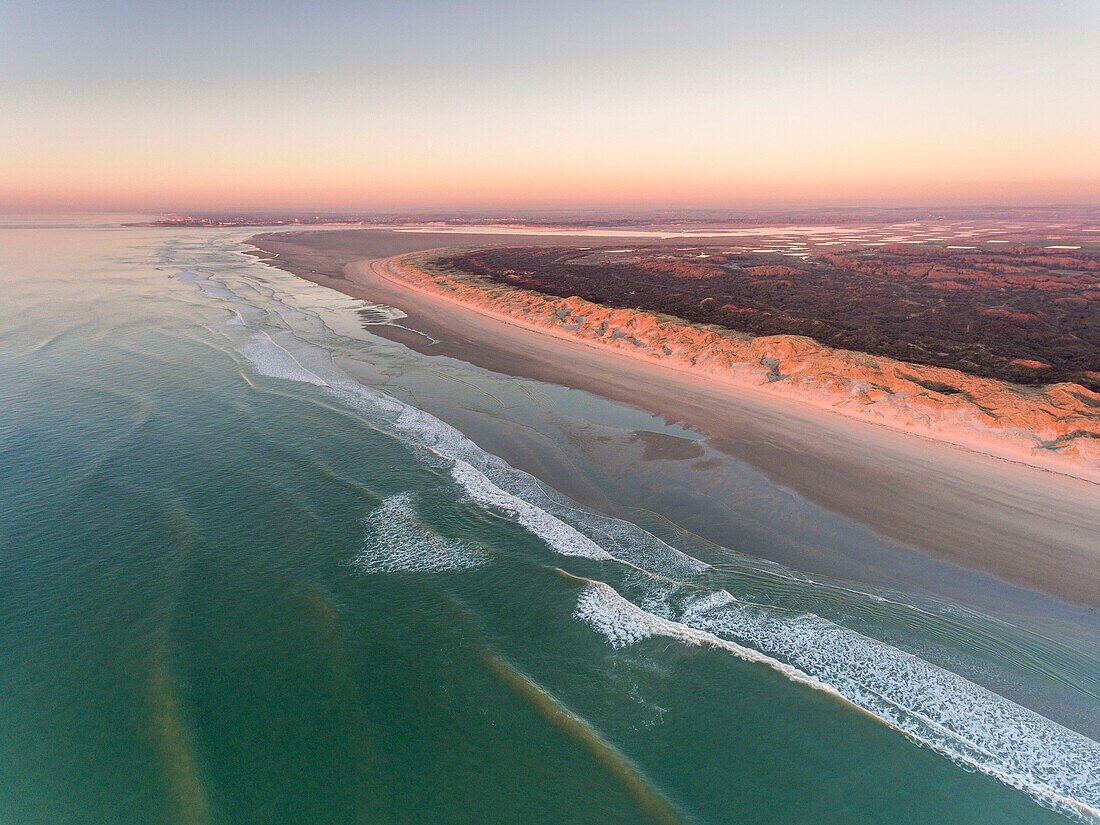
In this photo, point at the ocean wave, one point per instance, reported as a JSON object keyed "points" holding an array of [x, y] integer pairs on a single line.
{"points": [[270, 359], [618, 539], [934, 707], [556, 534], [377, 314], [398, 543], [188, 276]]}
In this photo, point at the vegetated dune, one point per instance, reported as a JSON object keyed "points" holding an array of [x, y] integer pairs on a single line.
{"points": [[985, 313], [1057, 424]]}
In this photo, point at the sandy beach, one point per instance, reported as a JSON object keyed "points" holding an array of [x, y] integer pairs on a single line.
{"points": [[1029, 526]]}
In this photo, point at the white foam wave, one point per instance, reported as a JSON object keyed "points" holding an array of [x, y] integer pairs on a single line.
{"points": [[398, 543], [556, 534], [618, 539], [937, 708], [270, 359], [623, 623], [380, 314]]}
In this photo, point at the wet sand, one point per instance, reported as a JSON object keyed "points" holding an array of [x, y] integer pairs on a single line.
{"points": [[1028, 526]]}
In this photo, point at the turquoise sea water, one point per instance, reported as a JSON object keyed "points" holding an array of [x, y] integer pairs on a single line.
{"points": [[247, 576]]}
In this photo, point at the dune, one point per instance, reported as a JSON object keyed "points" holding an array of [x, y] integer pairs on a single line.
{"points": [[1055, 428]]}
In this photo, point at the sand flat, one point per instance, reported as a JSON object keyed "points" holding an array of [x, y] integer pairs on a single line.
{"points": [[1029, 526]]}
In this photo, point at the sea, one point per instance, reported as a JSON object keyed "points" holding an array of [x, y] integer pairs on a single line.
{"points": [[259, 564]]}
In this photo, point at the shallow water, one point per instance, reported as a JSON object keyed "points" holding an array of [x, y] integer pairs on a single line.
{"points": [[250, 575]]}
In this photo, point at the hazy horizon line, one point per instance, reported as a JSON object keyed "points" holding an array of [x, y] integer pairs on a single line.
{"points": [[481, 209]]}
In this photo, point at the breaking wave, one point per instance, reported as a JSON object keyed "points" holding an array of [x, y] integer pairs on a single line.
{"points": [[398, 543], [932, 706], [274, 361], [555, 533], [378, 314]]}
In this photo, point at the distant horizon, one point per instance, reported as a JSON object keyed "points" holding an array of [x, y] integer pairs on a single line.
{"points": [[520, 210]]}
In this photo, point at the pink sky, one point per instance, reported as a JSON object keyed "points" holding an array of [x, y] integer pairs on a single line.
{"points": [[425, 104]]}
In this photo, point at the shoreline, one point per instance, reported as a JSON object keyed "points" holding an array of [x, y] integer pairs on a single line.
{"points": [[1030, 526], [994, 444]]}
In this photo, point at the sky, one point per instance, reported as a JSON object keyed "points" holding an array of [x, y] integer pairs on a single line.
{"points": [[419, 105]]}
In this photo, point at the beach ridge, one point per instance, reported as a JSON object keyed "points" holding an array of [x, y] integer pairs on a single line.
{"points": [[1054, 428]]}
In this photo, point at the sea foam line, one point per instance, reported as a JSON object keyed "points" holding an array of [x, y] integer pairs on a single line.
{"points": [[936, 708], [269, 358], [561, 537], [397, 542], [623, 623]]}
